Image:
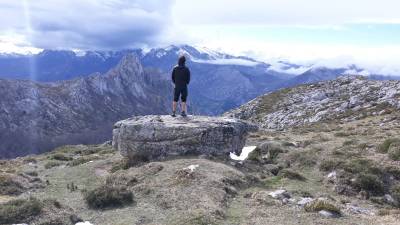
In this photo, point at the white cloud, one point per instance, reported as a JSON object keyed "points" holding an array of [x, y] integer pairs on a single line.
{"points": [[14, 43], [276, 65], [85, 24], [353, 71], [27, 26], [376, 59], [240, 62], [285, 12]]}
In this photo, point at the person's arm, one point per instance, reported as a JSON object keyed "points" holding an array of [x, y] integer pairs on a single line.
{"points": [[188, 78], [173, 76]]}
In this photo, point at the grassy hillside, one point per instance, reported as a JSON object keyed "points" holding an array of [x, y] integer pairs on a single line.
{"points": [[361, 154], [340, 168]]}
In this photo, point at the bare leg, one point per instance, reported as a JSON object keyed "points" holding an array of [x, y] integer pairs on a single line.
{"points": [[184, 107], [174, 104]]}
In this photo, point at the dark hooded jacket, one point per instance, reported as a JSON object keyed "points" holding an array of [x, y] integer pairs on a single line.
{"points": [[181, 75]]}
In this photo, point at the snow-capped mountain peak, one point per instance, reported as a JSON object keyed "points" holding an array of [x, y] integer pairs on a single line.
{"points": [[202, 55]]}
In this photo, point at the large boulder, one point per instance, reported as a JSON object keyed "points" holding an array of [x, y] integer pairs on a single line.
{"points": [[155, 137]]}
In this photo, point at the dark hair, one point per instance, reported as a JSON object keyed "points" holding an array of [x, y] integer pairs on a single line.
{"points": [[181, 60]]}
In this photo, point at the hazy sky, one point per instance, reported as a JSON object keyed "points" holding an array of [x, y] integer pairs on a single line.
{"points": [[366, 32]]}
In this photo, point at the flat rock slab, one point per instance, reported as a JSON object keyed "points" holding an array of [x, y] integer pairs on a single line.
{"points": [[154, 137]]}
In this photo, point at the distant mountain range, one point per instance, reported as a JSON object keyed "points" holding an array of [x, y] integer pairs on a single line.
{"points": [[64, 97], [220, 81], [36, 117]]}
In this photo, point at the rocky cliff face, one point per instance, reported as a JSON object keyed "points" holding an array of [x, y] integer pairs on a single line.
{"points": [[36, 117], [346, 98]]}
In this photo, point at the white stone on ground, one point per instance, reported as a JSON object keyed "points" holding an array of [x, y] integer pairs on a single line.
{"points": [[326, 213], [389, 199], [192, 167], [279, 194], [332, 175], [304, 201]]}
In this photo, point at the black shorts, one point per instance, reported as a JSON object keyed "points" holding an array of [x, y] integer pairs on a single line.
{"points": [[180, 91]]}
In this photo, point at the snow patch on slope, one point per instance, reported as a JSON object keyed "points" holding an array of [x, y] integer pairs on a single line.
{"points": [[211, 53]]}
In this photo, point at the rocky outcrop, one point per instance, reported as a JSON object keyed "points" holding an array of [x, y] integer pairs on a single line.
{"points": [[153, 137], [345, 99], [35, 117]]}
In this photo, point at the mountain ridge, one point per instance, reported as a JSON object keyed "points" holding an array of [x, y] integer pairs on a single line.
{"points": [[36, 117], [101, 61], [346, 97], [220, 82]]}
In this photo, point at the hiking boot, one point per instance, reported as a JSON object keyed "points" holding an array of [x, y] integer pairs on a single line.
{"points": [[183, 114], [173, 114]]}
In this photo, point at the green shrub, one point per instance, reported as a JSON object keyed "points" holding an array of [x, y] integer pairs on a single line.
{"points": [[123, 164], [290, 174], [60, 157], [341, 134], [10, 186], [366, 166], [362, 146], [107, 151], [306, 158], [66, 149], [116, 167], [255, 155], [54, 221], [272, 182], [370, 183], [91, 150], [394, 151], [394, 171], [350, 142], [52, 164], [19, 211], [330, 164], [82, 160], [30, 160], [108, 196], [196, 218], [384, 147], [267, 151], [377, 200], [385, 212], [318, 205], [32, 173]]}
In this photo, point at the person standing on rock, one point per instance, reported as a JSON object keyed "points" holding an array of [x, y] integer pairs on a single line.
{"points": [[181, 79]]}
